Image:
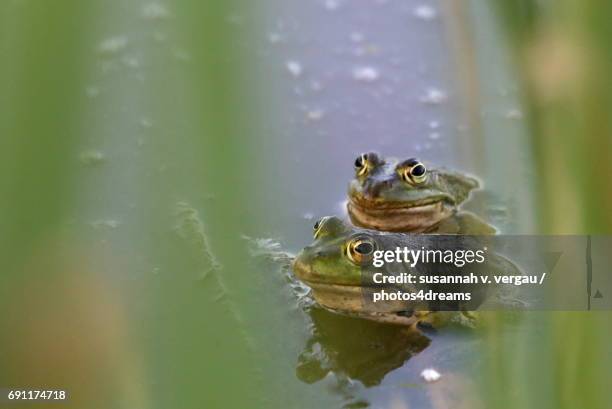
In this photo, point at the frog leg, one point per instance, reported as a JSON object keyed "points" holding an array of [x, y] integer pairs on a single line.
{"points": [[450, 225], [431, 319], [463, 223], [468, 319], [469, 223], [437, 319]]}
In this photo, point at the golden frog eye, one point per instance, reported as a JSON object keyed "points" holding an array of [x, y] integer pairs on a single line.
{"points": [[361, 164], [360, 250], [418, 173], [413, 171], [329, 226], [317, 226], [366, 162]]}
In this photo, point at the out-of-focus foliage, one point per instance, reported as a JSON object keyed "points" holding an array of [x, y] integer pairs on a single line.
{"points": [[122, 152], [562, 48], [563, 52]]}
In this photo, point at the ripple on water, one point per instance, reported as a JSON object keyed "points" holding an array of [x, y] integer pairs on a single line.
{"points": [[365, 74], [92, 91], [190, 227], [331, 4], [146, 123], [113, 45], [105, 224], [294, 68], [425, 12], [315, 115], [434, 96], [430, 375], [274, 38], [154, 11], [130, 61], [356, 37], [514, 114], [92, 158]]}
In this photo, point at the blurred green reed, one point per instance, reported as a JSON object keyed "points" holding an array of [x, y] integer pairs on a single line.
{"points": [[126, 142], [563, 53]]}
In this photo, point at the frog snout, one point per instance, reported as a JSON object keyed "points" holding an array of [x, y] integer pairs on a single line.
{"points": [[373, 190]]}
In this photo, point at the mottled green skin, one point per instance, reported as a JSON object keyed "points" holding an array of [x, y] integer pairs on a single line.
{"points": [[325, 260], [381, 199], [338, 283], [335, 280]]}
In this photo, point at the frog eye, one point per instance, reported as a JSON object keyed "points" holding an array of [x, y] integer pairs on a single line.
{"points": [[365, 162], [324, 223], [413, 171], [360, 250], [418, 172], [361, 165], [412, 162], [330, 226], [318, 225]]}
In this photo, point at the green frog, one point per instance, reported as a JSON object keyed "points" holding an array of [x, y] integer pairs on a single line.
{"points": [[338, 267], [406, 196]]}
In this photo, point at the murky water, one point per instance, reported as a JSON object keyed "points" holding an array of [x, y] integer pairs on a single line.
{"points": [[158, 192], [386, 76]]}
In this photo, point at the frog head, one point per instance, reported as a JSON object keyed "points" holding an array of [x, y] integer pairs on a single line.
{"points": [[404, 196], [338, 268], [336, 255]]}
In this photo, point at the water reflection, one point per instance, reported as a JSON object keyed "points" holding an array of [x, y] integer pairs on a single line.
{"points": [[355, 349], [365, 363]]}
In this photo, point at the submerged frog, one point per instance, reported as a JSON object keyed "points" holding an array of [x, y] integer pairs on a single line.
{"points": [[390, 195], [338, 268]]}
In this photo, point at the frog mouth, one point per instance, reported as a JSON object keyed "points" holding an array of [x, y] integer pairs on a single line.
{"points": [[363, 201], [350, 299], [305, 273], [418, 216]]}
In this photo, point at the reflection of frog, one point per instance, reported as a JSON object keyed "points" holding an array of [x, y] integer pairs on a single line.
{"points": [[340, 348], [405, 196], [370, 351]]}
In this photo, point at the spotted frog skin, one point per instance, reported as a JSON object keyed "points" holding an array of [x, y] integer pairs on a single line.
{"points": [[405, 196]]}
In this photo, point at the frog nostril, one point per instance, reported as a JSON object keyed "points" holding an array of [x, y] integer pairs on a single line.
{"points": [[371, 192], [377, 188]]}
